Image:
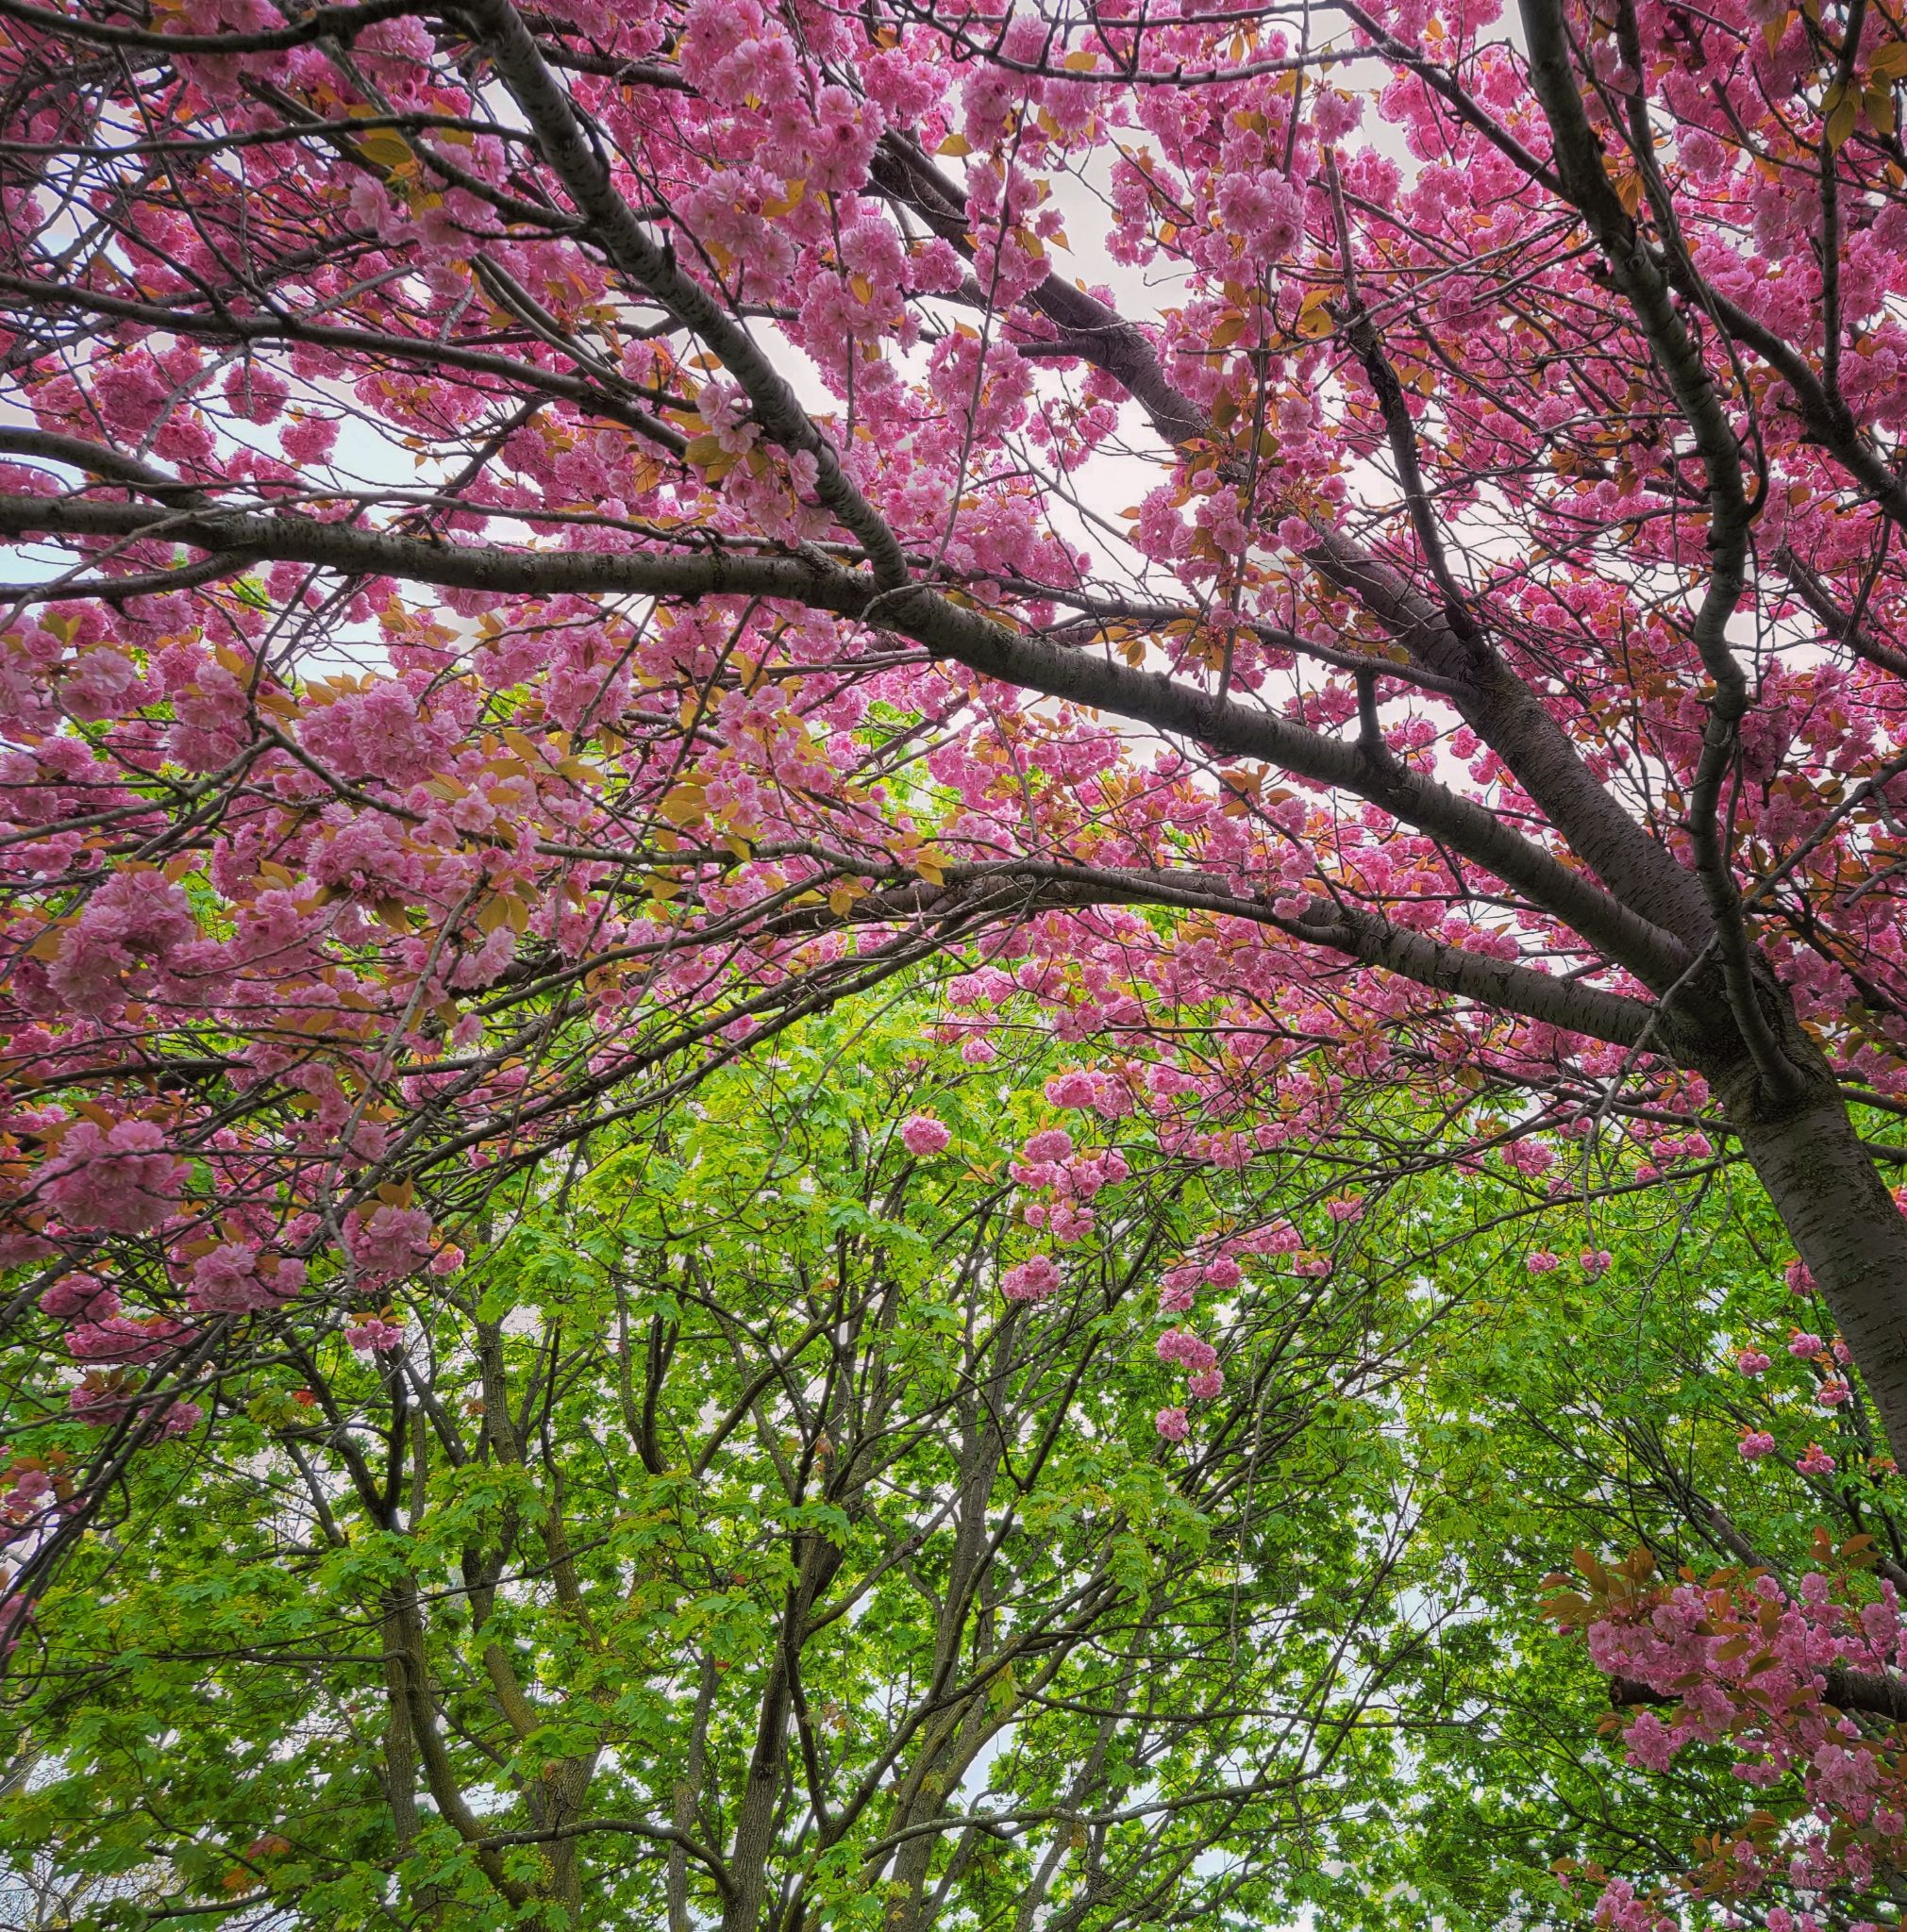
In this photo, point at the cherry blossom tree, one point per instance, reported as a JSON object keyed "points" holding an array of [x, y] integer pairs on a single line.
{"points": [[554, 542]]}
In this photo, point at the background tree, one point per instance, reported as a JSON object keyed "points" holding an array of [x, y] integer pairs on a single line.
{"points": [[765, 1533], [1674, 1419]]}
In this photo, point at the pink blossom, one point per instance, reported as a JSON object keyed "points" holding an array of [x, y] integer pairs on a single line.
{"points": [[254, 393], [1051, 1143], [84, 1296], [124, 1340], [390, 1241], [1752, 1361], [133, 924], [379, 733], [229, 1281], [1541, 1263], [1190, 1351], [1595, 1261], [1755, 1443], [923, 1136], [1033, 1280], [105, 684], [1528, 1157], [1066, 1221], [1816, 1461], [1651, 1743], [1619, 1910], [1804, 1347], [1075, 1089], [1206, 1385], [1830, 1395], [15, 1612], [309, 440], [28, 1486], [1173, 1424], [97, 1400], [120, 1178], [373, 1333]]}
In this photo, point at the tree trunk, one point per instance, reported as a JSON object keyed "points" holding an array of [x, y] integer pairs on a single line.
{"points": [[755, 1821], [1822, 1182], [1844, 1223]]}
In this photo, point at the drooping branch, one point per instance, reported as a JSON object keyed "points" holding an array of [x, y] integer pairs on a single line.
{"points": [[945, 629]]}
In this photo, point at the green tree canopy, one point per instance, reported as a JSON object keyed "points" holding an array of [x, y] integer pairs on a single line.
{"points": [[725, 1543]]}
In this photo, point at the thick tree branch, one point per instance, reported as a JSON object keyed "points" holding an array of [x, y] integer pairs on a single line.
{"points": [[340, 24], [1579, 164], [1502, 983], [614, 227], [1876, 1693], [1494, 702], [942, 627]]}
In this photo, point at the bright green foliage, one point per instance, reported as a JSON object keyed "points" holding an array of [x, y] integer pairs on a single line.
{"points": [[724, 1549]]}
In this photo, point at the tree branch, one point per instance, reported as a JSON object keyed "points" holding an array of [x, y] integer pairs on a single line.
{"points": [[945, 629]]}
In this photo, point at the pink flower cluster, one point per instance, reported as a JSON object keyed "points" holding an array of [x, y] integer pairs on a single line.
{"points": [[235, 1278], [1190, 1351], [923, 1136], [1050, 1164], [1032, 1280], [1205, 1380], [390, 1240], [119, 1179], [1738, 1662], [372, 1333]]}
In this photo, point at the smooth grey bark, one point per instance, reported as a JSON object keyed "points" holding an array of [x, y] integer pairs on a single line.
{"points": [[1844, 1223]]}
